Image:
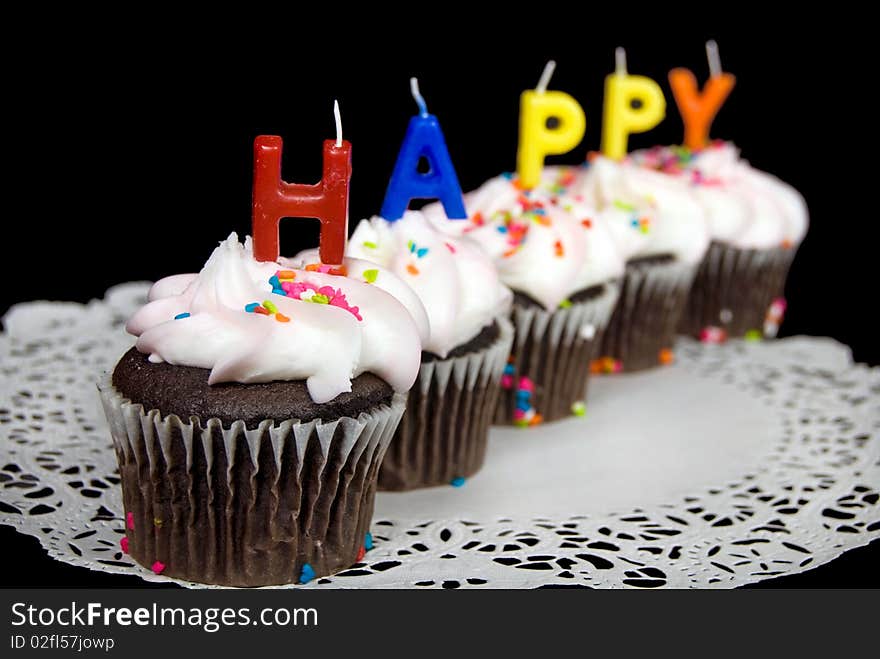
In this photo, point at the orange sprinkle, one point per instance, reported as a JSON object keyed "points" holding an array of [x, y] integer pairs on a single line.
{"points": [[281, 318], [567, 177], [596, 366], [312, 267], [517, 184], [340, 271], [477, 219], [588, 223], [286, 274], [509, 253], [592, 155], [787, 244], [543, 220], [666, 356], [557, 246], [411, 269], [536, 419]]}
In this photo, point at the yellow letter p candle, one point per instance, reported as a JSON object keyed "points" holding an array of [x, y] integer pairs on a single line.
{"points": [[536, 139], [633, 104]]}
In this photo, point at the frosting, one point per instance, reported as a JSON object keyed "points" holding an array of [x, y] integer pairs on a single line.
{"points": [[648, 213], [745, 207], [456, 283], [250, 321], [541, 247]]}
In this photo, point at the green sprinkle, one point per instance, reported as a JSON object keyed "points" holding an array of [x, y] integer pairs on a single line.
{"points": [[370, 276], [369, 244], [565, 304], [317, 298], [270, 306], [754, 335], [579, 408], [624, 206]]}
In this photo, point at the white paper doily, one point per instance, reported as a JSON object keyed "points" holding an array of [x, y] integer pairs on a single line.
{"points": [[739, 463]]}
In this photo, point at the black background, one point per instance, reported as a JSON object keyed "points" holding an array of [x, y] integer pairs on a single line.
{"points": [[129, 157]]}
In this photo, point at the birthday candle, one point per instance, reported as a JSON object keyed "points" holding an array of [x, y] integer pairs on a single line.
{"points": [[536, 139], [633, 104], [698, 109]]}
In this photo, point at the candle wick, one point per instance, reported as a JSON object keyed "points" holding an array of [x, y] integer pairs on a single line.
{"points": [[620, 61], [338, 119], [417, 95], [549, 68], [714, 58]]}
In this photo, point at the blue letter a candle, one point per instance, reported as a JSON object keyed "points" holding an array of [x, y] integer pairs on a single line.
{"points": [[423, 139]]}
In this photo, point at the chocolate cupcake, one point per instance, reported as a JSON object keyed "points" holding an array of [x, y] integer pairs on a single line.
{"points": [[662, 233], [467, 336], [756, 223], [564, 271], [251, 418]]}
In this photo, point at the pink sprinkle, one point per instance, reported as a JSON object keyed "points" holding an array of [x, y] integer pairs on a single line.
{"points": [[129, 520], [526, 384], [518, 414], [618, 366], [507, 381], [780, 303], [324, 268], [450, 247], [158, 567], [712, 334], [328, 291], [123, 544]]}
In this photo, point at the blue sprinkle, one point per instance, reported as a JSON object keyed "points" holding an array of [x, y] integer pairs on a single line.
{"points": [[307, 574], [250, 307], [421, 252], [458, 481], [276, 283], [501, 229], [540, 211], [523, 405], [181, 315], [279, 291], [635, 222], [508, 370], [507, 175], [368, 541], [522, 393]]}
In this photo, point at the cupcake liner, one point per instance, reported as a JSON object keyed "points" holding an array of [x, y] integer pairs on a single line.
{"points": [[642, 329], [237, 507], [737, 291], [444, 431], [546, 378]]}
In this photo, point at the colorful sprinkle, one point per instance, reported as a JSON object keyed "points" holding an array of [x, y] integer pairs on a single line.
{"points": [[181, 316], [262, 311], [129, 520], [411, 269], [361, 553], [450, 247], [252, 307], [606, 365], [787, 244], [306, 574], [369, 244], [368, 541], [579, 408], [753, 335], [286, 275], [629, 208], [157, 522], [123, 544], [158, 567], [338, 270], [370, 275], [712, 334], [666, 356], [458, 481], [558, 249], [587, 223], [565, 304], [269, 306], [281, 318]]}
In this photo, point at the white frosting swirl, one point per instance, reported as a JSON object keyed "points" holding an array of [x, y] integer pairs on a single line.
{"points": [[325, 344], [745, 207], [539, 247], [648, 213], [457, 284]]}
